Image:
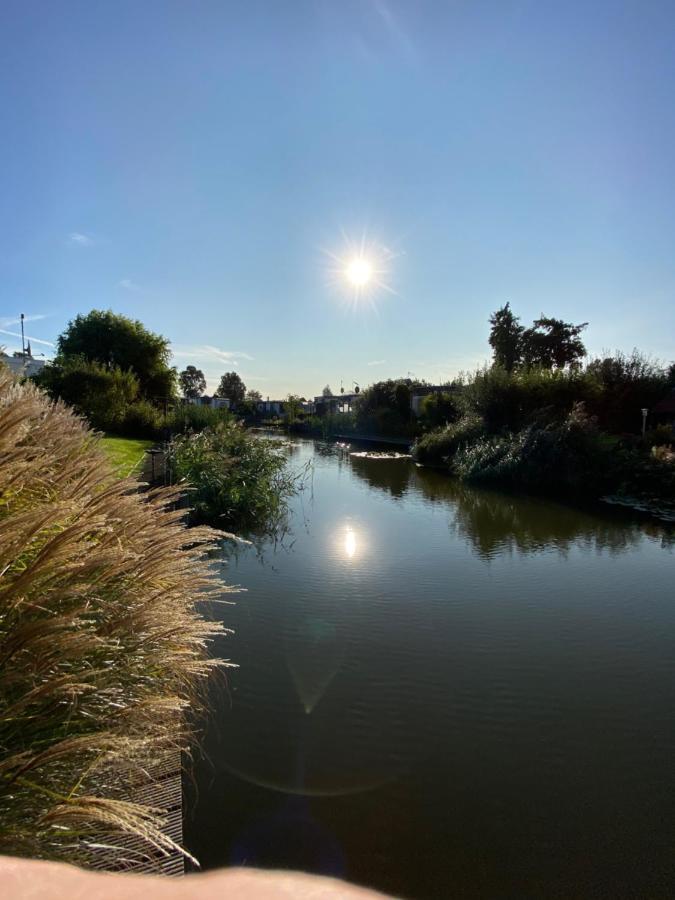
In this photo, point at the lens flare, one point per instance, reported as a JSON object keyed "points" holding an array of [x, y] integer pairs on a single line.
{"points": [[360, 271]]}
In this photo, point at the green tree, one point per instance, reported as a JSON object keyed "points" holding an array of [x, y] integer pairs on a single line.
{"points": [[292, 408], [101, 393], [626, 385], [506, 338], [327, 392], [253, 395], [192, 382], [116, 341], [439, 409], [385, 407], [553, 344], [232, 387]]}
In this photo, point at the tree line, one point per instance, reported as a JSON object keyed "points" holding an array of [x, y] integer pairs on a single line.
{"points": [[118, 374]]}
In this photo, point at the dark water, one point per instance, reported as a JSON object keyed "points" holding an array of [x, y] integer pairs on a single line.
{"points": [[446, 692]]}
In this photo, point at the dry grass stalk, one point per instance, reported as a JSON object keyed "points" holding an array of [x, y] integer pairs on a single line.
{"points": [[101, 646]]}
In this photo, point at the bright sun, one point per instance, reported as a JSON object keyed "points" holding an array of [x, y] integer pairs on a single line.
{"points": [[359, 272]]}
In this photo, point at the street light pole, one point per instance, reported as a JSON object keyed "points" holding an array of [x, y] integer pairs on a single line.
{"points": [[23, 343], [644, 421]]}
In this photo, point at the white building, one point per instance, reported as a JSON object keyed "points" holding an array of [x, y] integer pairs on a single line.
{"points": [[270, 407], [22, 364], [213, 402]]}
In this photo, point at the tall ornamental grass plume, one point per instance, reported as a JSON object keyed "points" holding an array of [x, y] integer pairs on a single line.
{"points": [[102, 651]]}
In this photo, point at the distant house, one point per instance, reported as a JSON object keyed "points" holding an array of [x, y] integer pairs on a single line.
{"points": [[418, 394], [23, 364], [213, 402], [270, 407], [335, 403]]}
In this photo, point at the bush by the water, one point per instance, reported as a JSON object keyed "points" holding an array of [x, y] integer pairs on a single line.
{"points": [[237, 481], [438, 447], [572, 456], [101, 647], [548, 429], [439, 409], [510, 401], [384, 408]]}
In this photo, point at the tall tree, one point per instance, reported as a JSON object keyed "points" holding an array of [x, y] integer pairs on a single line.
{"points": [[506, 334], [192, 382], [116, 341], [253, 395], [292, 407], [327, 392], [552, 343], [232, 387]]}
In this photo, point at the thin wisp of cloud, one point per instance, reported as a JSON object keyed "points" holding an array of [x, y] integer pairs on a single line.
{"points": [[79, 239], [129, 285]]}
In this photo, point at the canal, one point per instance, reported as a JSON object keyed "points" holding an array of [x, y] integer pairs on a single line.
{"points": [[444, 692]]}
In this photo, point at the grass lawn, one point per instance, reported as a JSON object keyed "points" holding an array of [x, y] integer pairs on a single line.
{"points": [[126, 454]]}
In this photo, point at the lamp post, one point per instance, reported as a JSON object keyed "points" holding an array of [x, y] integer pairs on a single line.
{"points": [[644, 420], [23, 343]]}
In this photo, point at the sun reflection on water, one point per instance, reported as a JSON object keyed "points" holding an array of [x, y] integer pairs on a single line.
{"points": [[350, 543]]}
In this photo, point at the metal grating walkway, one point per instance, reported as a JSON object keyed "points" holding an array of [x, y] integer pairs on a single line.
{"points": [[161, 789]]}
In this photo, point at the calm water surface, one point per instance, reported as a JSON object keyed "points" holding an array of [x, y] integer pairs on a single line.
{"points": [[445, 692]]}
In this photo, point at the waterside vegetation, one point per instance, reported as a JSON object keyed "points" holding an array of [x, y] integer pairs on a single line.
{"points": [[102, 648], [234, 480]]}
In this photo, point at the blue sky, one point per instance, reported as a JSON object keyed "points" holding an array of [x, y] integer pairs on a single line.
{"points": [[192, 164]]}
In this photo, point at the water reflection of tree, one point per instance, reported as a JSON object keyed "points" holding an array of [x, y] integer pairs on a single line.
{"points": [[389, 475], [494, 522]]}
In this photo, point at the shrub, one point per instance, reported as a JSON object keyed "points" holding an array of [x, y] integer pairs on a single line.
{"points": [[438, 447], [661, 436], [510, 401], [648, 476], [440, 409], [572, 456], [97, 392], [141, 420], [664, 453], [385, 408], [101, 647], [190, 417], [625, 385], [237, 481]]}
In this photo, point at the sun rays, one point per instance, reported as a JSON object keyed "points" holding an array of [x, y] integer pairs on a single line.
{"points": [[360, 271]]}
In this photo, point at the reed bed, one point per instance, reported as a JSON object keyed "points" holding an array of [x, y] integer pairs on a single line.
{"points": [[102, 649]]}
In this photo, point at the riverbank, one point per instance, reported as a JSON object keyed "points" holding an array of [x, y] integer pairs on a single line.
{"points": [[570, 457]]}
